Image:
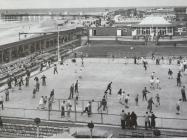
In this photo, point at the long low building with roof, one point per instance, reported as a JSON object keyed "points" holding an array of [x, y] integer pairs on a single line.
{"points": [[156, 25]]}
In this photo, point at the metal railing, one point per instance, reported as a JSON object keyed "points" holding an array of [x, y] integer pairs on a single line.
{"points": [[100, 117]]}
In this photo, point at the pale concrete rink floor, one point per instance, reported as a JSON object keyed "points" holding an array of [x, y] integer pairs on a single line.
{"points": [[96, 74]]}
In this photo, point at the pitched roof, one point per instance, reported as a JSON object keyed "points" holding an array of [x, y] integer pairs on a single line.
{"points": [[154, 20]]}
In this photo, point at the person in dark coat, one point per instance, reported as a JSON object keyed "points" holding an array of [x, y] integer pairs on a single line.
{"points": [[109, 87], [153, 123], [128, 120], [133, 120], [183, 94]]}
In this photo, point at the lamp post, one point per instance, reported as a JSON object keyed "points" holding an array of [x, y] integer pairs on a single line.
{"points": [[58, 47]]}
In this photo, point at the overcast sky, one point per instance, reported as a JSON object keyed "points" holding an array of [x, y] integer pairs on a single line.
{"points": [[5, 4]]}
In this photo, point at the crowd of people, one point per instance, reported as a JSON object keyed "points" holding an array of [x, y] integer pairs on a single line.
{"points": [[128, 120]]}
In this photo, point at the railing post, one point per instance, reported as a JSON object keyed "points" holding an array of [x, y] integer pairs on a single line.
{"points": [[24, 112], [48, 114], [101, 116], [75, 110], [59, 104]]}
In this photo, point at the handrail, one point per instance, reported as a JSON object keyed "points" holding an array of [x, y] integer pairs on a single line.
{"points": [[110, 114]]}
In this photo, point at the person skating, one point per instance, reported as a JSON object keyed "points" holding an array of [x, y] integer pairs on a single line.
{"points": [[43, 80], [150, 103], [76, 87], [109, 87], [183, 94], [87, 109], [6, 95], [157, 100], [178, 106], [136, 99], [144, 93], [71, 92], [170, 74], [55, 69]]}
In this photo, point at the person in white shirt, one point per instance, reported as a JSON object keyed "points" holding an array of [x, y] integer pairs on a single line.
{"points": [[157, 82], [152, 83], [178, 106]]}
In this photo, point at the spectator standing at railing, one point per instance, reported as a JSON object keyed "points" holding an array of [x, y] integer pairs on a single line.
{"points": [[41, 103], [153, 122], [133, 120], [1, 102], [63, 109], [6, 95], [123, 119], [68, 108], [128, 120], [147, 121]]}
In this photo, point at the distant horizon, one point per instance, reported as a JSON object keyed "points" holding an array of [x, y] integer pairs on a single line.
{"points": [[95, 7], [60, 4]]}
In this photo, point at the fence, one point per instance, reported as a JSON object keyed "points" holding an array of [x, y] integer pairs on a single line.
{"points": [[100, 117]]}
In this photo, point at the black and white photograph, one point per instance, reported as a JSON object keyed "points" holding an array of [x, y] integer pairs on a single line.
{"points": [[93, 69]]}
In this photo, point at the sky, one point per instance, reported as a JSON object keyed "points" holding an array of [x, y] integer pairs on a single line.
{"points": [[22, 4]]}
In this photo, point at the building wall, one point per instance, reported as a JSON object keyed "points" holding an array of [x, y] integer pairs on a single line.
{"points": [[15, 50], [110, 31]]}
